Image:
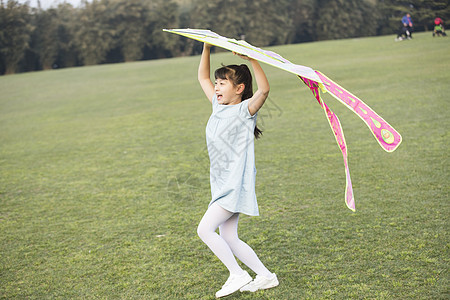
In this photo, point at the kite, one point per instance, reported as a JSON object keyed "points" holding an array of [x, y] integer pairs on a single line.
{"points": [[387, 137]]}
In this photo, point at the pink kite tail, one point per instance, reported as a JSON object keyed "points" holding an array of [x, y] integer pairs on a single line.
{"points": [[388, 138], [336, 127]]}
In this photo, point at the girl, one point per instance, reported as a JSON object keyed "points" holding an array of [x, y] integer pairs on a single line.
{"points": [[230, 140]]}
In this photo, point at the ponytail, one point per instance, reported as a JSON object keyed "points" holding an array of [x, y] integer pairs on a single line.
{"points": [[257, 132]]}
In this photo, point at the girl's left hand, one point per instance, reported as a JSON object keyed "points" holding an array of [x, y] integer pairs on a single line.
{"points": [[242, 56]]}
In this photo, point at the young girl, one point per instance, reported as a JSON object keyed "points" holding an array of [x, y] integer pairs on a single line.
{"points": [[230, 139]]}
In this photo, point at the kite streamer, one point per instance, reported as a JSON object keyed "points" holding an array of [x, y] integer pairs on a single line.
{"points": [[387, 137], [336, 127]]}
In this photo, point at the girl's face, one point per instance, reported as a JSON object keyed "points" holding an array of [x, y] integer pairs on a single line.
{"points": [[227, 93]]}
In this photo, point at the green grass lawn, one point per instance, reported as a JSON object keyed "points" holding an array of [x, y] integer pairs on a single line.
{"points": [[104, 176]]}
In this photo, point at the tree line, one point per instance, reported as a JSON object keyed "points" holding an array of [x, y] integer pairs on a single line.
{"points": [[110, 31]]}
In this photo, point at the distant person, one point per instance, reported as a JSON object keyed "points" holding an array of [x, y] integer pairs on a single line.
{"points": [[407, 28], [439, 27], [408, 24]]}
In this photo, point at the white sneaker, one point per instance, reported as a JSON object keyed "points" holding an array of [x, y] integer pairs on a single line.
{"points": [[261, 283], [233, 284]]}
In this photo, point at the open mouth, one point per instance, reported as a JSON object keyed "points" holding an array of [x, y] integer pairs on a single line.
{"points": [[219, 97]]}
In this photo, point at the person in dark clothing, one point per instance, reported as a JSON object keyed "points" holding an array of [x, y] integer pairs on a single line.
{"points": [[407, 28]]}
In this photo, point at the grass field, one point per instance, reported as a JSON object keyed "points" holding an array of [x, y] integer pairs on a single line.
{"points": [[104, 178]]}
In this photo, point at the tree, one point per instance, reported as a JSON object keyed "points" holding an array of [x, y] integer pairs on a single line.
{"points": [[302, 14], [262, 22], [129, 19], [15, 31], [162, 14], [268, 22], [44, 37], [94, 36], [227, 17], [338, 19]]}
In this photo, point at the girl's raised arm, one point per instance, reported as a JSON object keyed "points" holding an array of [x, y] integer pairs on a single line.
{"points": [[204, 73], [260, 96]]}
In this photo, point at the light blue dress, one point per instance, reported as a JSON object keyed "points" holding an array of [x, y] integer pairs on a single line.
{"points": [[231, 149]]}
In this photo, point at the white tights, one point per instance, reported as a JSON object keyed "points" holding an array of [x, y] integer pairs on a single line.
{"points": [[227, 245]]}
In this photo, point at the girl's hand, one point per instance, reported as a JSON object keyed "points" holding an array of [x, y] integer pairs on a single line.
{"points": [[242, 56]]}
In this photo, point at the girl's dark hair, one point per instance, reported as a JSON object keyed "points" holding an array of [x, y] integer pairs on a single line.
{"points": [[239, 74]]}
